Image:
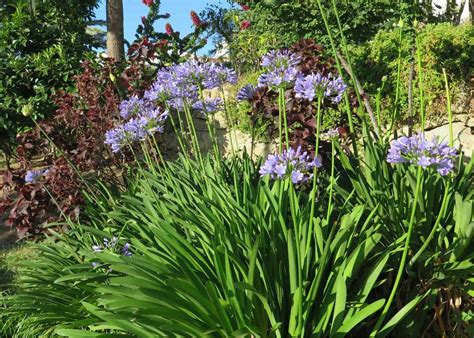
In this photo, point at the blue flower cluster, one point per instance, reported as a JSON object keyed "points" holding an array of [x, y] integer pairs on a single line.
{"points": [[332, 133], [280, 69], [427, 154], [148, 121], [181, 83], [33, 176], [246, 93], [174, 86], [111, 245], [132, 107], [209, 105], [292, 163], [317, 86]]}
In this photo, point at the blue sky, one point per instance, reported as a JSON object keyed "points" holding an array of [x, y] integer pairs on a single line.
{"points": [[133, 10]]}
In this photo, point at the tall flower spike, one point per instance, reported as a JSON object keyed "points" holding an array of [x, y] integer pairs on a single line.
{"points": [[419, 151], [195, 19], [244, 25], [169, 29]]}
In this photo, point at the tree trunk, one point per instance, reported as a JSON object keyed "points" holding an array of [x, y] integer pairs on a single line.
{"points": [[460, 9], [115, 43]]}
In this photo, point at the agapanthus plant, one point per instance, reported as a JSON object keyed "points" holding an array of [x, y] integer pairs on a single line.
{"points": [[419, 151], [292, 163], [318, 86], [268, 100]]}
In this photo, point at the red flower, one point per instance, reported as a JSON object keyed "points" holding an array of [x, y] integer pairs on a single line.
{"points": [[143, 20], [245, 24], [148, 2], [195, 19], [245, 7], [169, 29]]}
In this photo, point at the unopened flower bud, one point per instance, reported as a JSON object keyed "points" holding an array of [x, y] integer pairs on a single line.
{"points": [[27, 109]]}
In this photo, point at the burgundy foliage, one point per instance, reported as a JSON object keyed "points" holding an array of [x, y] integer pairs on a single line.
{"points": [[77, 128]]}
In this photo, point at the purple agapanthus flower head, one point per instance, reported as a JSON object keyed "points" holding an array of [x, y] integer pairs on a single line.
{"points": [[208, 105], [148, 122], [179, 84], [205, 75], [279, 77], [162, 89], [132, 107], [318, 86], [247, 92], [419, 151], [111, 245], [195, 73], [135, 127], [218, 75], [332, 133], [280, 69], [291, 163], [33, 176], [126, 250], [117, 138], [280, 59]]}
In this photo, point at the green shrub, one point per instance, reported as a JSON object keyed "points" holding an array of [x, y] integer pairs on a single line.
{"points": [[441, 46], [41, 50]]}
